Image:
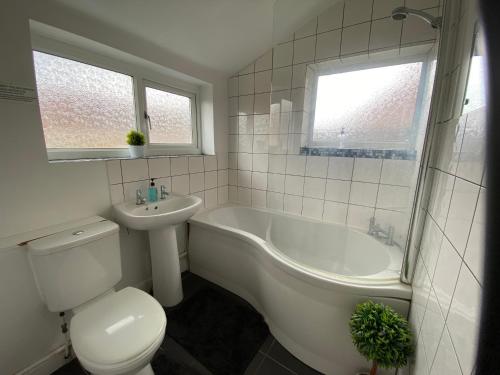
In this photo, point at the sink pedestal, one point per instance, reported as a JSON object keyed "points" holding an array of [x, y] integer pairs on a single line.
{"points": [[167, 283]]}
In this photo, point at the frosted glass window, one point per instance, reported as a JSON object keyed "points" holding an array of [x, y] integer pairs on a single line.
{"points": [[369, 108], [170, 117], [83, 106], [476, 85]]}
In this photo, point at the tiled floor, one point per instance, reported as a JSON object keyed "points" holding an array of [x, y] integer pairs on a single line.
{"points": [[272, 357]]}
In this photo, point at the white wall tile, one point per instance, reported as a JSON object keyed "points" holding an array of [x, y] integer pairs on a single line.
{"points": [[223, 195], [196, 182], [338, 190], [232, 86], [222, 178], [294, 185], [384, 8], [296, 165], [299, 75], [335, 212], [265, 62], [261, 143], [114, 171], [432, 326], [246, 84], [282, 55], [292, 204], [196, 164], [275, 200], [232, 177], [472, 154], [317, 166], [248, 69], [394, 197], [232, 143], [232, 194], [262, 102], [277, 163], [397, 172], [116, 193], [355, 39], [304, 49], [421, 288], [259, 198], [261, 124], [385, 33], [245, 179], [211, 199], [245, 105], [461, 213], [232, 160], [359, 216], [244, 161], [439, 202], [328, 45], [312, 208], [233, 106], [210, 180], [134, 170], [431, 245], [260, 162], [340, 168], [180, 184], [245, 124], [278, 144], [417, 30], [282, 78], [259, 180], [307, 29], [263, 81], [332, 18], [463, 318], [314, 187], [446, 361], [367, 170], [364, 194], [245, 196], [245, 143], [130, 188], [210, 163], [474, 253], [357, 11], [179, 166], [276, 182]]}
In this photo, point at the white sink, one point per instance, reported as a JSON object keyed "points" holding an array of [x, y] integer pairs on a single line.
{"points": [[159, 219], [156, 215]]}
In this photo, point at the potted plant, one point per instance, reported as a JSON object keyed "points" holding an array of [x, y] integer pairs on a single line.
{"points": [[381, 335], [135, 140]]}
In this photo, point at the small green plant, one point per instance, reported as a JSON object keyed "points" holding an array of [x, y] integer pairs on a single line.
{"points": [[135, 138], [381, 335]]}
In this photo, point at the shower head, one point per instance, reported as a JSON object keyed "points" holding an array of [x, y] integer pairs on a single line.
{"points": [[402, 13]]}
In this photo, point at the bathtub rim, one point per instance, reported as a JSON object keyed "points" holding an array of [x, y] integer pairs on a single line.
{"points": [[391, 287]]}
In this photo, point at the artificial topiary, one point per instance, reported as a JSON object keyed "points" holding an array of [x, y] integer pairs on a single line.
{"points": [[381, 335], [135, 138]]}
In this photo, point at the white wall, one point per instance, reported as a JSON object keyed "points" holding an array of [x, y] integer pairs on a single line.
{"points": [[36, 194]]}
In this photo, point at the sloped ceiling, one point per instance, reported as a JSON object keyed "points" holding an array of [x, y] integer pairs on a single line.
{"points": [[222, 35]]}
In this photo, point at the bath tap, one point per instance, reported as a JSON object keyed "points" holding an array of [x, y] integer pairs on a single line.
{"points": [[163, 192], [376, 231], [139, 199]]}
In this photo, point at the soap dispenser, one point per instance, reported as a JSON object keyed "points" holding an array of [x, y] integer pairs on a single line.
{"points": [[152, 191]]}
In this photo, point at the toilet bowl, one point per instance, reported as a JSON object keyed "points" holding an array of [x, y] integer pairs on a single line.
{"points": [[119, 333], [112, 333]]}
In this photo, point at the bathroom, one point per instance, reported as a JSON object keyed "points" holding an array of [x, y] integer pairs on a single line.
{"points": [[257, 216]]}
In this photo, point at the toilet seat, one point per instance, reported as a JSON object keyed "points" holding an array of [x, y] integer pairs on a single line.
{"points": [[118, 333]]}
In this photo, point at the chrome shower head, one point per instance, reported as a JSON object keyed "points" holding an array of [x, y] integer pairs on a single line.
{"points": [[402, 13]]}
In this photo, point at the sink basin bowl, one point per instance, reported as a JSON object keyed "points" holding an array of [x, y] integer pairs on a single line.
{"points": [[156, 215]]}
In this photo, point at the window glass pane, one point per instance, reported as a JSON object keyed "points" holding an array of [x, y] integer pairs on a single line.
{"points": [[170, 117], [83, 106], [370, 108], [476, 86]]}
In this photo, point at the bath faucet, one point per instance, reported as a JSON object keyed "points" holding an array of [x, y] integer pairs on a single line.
{"points": [[139, 199], [163, 192], [376, 231]]}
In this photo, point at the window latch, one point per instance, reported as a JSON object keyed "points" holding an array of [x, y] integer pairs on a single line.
{"points": [[148, 120]]}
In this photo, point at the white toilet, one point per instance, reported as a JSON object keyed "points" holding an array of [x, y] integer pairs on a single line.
{"points": [[111, 332]]}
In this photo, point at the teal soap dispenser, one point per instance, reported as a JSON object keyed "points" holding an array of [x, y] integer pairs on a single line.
{"points": [[152, 191]]}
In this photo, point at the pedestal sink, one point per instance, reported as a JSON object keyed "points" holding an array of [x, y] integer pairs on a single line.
{"points": [[159, 219]]}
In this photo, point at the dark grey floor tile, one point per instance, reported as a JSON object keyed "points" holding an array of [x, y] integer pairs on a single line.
{"points": [[267, 344], [270, 367], [283, 356], [70, 368], [254, 366], [173, 350]]}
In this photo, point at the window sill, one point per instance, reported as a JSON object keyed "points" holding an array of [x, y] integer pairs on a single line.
{"points": [[359, 153], [84, 160]]}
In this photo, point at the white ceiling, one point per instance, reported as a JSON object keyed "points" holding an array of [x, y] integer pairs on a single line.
{"points": [[223, 35]]}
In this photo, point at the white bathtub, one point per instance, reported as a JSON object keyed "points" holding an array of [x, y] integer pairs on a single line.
{"points": [[304, 276]]}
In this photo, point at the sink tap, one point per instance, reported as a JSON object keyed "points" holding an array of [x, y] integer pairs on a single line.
{"points": [[163, 192], [139, 199], [376, 231]]}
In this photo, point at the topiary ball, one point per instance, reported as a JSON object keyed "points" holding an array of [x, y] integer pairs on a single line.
{"points": [[135, 138], [381, 334]]}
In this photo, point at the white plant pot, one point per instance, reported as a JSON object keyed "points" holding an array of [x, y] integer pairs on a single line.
{"points": [[136, 151]]}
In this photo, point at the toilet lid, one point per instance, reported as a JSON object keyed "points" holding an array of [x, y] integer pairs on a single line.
{"points": [[117, 328]]}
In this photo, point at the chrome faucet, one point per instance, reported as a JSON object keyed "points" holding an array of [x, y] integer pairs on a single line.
{"points": [[163, 192], [139, 199], [376, 231]]}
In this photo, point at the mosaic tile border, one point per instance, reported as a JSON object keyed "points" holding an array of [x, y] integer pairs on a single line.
{"points": [[359, 153]]}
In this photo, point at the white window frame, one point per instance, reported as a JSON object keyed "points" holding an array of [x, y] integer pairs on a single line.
{"points": [[142, 76], [345, 67]]}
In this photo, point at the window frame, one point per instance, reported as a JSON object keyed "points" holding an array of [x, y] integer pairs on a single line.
{"points": [[345, 66], [141, 76]]}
